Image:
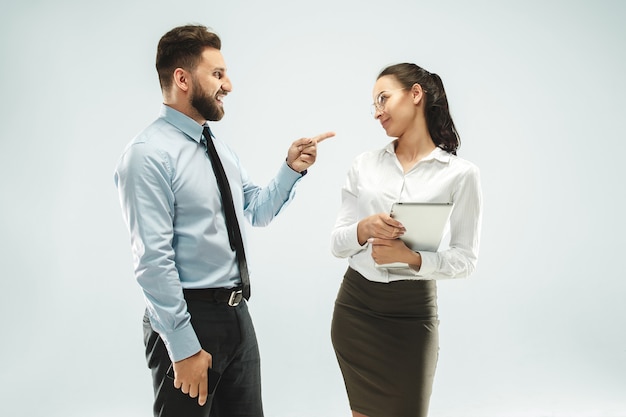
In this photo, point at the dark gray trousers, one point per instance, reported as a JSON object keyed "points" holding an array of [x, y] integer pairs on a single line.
{"points": [[228, 334]]}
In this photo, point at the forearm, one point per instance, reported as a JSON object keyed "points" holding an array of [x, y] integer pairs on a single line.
{"points": [[167, 311], [262, 205], [157, 274], [344, 241], [448, 264]]}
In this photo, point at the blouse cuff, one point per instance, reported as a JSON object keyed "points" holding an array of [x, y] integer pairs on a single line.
{"points": [[353, 237], [429, 263]]}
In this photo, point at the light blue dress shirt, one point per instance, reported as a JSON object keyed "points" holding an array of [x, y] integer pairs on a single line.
{"points": [[172, 207]]}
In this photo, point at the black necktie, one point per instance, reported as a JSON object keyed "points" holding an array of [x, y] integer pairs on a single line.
{"points": [[234, 233]]}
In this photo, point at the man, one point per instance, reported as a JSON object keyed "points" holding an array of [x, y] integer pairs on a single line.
{"points": [[183, 217]]}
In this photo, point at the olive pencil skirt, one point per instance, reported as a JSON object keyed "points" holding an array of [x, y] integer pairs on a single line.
{"points": [[386, 340]]}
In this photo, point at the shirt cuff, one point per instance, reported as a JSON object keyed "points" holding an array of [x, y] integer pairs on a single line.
{"points": [[429, 263], [287, 176], [301, 173], [181, 343]]}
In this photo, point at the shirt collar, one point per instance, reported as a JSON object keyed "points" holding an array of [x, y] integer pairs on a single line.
{"points": [[437, 153], [182, 122]]}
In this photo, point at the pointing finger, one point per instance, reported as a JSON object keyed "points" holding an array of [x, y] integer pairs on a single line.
{"points": [[323, 137]]}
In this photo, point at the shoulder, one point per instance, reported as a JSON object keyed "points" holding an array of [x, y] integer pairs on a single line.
{"points": [[147, 148], [156, 134], [370, 157], [463, 166], [466, 175]]}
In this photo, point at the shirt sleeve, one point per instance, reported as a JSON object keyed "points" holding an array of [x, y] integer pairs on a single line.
{"points": [[344, 238], [460, 259], [143, 180], [262, 204]]}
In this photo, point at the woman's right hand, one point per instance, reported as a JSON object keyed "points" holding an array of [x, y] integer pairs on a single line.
{"points": [[381, 226]]}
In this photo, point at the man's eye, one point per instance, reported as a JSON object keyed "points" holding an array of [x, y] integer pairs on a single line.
{"points": [[217, 75]]}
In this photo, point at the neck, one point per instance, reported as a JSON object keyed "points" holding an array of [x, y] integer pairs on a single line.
{"points": [[185, 108], [414, 144]]}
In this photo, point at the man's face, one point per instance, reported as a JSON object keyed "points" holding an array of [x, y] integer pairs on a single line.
{"points": [[210, 84]]}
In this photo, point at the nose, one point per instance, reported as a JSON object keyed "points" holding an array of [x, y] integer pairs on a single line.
{"points": [[227, 85]]}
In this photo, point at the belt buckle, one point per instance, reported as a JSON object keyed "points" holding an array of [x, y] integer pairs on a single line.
{"points": [[235, 298]]}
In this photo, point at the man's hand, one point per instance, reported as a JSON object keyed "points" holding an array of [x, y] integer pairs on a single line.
{"points": [[302, 153], [381, 226], [191, 375]]}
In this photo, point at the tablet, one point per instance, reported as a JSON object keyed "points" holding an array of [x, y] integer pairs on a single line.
{"points": [[425, 225]]}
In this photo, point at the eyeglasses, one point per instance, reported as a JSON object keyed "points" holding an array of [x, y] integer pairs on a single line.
{"points": [[381, 100]]}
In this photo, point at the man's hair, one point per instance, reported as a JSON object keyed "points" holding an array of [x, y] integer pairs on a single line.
{"points": [[182, 47]]}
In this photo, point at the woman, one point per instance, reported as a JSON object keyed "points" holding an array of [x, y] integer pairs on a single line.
{"points": [[385, 325]]}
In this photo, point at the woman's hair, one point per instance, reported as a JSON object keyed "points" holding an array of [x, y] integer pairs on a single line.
{"points": [[182, 47], [438, 118]]}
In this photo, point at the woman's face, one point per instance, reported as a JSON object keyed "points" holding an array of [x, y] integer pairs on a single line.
{"points": [[393, 105]]}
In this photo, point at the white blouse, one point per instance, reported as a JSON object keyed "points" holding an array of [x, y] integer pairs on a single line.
{"points": [[376, 180]]}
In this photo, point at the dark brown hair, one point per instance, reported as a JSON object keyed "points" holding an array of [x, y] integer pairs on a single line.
{"points": [[182, 47], [438, 118]]}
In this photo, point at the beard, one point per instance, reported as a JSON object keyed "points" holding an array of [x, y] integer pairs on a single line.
{"points": [[206, 105]]}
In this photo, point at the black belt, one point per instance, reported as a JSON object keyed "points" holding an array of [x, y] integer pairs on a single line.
{"points": [[231, 296]]}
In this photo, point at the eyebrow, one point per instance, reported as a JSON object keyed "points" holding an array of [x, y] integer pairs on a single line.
{"points": [[380, 93]]}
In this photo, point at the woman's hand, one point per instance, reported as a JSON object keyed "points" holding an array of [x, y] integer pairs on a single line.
{"points": [[380, 226], [386, 251]]}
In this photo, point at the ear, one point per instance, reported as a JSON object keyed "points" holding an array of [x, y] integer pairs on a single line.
{"points": [[182, 79], [418, 93]]}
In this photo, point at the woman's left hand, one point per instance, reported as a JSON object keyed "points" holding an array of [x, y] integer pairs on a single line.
{"points": [[385, 251]]}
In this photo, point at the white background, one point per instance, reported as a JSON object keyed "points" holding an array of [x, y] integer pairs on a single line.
{"points": [[536, 90]]}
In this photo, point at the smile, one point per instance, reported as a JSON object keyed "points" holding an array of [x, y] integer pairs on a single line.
{"points": [[219, 98]]}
